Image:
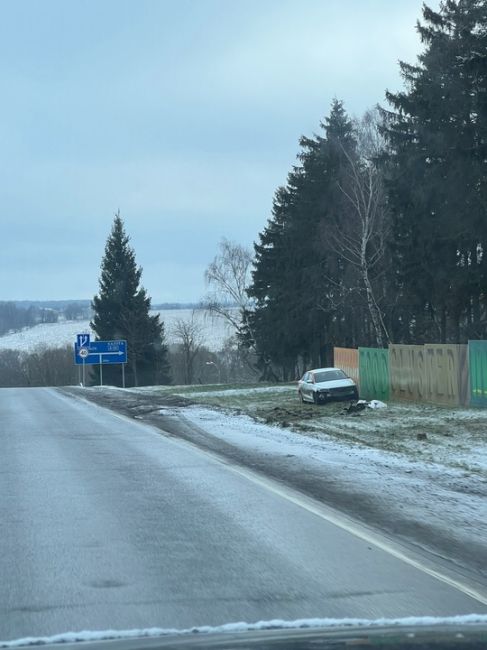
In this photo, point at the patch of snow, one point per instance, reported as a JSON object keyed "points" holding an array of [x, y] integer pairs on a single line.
{"points": [[229, 628], [238, 391], [106, 387], [442, 497], [455, 437], [376, 404]]}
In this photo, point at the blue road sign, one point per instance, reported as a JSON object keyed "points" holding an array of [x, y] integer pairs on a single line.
{"points": [[97, 352], [82, 340]]}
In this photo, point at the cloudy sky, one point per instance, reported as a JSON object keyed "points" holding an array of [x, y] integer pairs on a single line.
{"points": [[183, 114]]}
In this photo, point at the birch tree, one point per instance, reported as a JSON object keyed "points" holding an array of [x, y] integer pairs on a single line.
{"points": [[228, 277], [359, 236]]}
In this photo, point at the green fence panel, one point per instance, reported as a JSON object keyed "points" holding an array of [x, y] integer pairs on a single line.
{"points": [[477, 366], [374, 373]]}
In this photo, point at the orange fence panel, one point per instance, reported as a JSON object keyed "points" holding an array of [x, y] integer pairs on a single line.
{"points": [[347, 360]]}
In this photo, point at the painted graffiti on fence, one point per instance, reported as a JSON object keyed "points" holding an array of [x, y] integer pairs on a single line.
{"points": [[406, 368], [446, 374], [430, 373], [347, 360]]}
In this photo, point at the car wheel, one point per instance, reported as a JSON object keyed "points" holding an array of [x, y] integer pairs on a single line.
{"points": [[316, 398]]}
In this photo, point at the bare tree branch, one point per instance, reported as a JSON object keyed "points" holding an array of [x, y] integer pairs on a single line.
{"points": [[189, 334]]}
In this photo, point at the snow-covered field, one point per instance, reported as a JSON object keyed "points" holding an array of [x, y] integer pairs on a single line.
{"points": [[214, 329], [50, 335], [44, 335]]}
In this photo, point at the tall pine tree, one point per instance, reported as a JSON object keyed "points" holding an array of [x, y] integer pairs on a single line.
{"points": [[122, 311]]}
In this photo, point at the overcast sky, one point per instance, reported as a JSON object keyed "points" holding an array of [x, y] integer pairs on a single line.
{"points": [[183, 114]]}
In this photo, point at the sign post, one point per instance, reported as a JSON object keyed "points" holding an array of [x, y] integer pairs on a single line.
{"points": [[83, 353]]}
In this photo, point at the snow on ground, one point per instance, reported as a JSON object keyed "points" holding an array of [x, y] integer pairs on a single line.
{"points": [[214, 331], [232, 628], [435, 494], [259, 390], [455, 437]]}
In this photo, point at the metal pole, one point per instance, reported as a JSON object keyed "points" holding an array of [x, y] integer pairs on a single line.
{"points": [[123, 375], [83, 372], [101, 372]]}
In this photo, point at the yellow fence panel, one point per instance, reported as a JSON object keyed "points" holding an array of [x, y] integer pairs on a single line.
{"points": [[406, 363], [436, 373]]}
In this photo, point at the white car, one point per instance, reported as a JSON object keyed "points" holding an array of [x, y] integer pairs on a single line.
{"points": [[326, 384]]}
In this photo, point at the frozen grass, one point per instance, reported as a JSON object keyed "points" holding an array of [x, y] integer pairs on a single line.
{"points": [[454, 437]]}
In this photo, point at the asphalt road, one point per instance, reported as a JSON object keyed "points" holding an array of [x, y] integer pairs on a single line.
{"points": [[106, 523]]}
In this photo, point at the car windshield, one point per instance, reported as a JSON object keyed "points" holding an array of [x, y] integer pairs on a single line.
{"points": [[329, 375]]}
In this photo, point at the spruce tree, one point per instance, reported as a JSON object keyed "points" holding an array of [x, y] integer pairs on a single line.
{"points": [[438, 187], [298, 280], [122, 311]]}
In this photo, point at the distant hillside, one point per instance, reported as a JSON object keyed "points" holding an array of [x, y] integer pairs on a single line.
{"points": [[176, 305], [58, 305], [213, 329]]}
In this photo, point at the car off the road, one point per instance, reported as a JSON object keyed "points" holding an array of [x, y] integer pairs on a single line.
{"points": [[326, 384]]}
